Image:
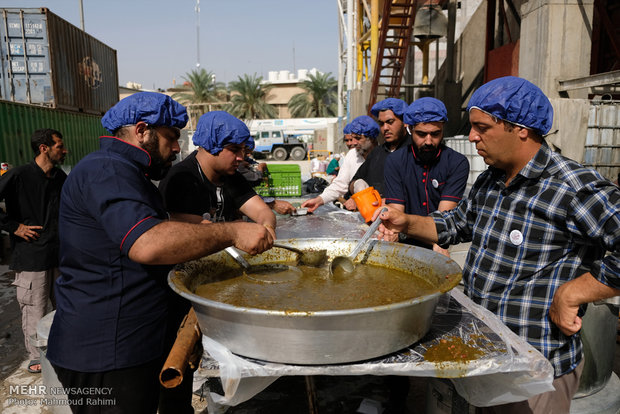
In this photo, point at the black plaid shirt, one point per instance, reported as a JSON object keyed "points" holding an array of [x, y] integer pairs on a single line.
{"points": [[554, 222]]}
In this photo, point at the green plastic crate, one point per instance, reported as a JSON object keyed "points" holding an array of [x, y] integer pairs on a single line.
{"points": [[283, 180]]}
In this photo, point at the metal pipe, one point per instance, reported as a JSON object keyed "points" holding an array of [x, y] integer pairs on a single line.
{"points": [[182, 352], [425, 52], [359, 45], [435, 81], [197, 33], [374, 32], [24, 46], [340, 63], [350, 45], [450, 41]]}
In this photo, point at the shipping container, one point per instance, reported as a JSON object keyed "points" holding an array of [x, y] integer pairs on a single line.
{"points": [[18, 122], [47, 61]]}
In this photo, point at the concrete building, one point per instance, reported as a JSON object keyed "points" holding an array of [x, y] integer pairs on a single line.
{"points": [[569, 48], [285, 85]]}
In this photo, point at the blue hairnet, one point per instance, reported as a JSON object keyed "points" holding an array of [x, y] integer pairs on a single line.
{"points": [[156, 109], [398, 106], [514, 100], [364, 125], [217, 129], [250, 144], [425, 110], [347, 129]]}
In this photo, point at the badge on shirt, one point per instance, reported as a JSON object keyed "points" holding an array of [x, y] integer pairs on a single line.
{"points": [[435, 183], [516, 237]]}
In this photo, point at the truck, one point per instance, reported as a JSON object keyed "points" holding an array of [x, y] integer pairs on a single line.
{"points": [[278, 145]]}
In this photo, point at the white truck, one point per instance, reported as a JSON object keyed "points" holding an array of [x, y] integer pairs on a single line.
{"points": [[278, 145]]}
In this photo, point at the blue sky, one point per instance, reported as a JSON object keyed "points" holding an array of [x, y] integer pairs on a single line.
{"points": [[156, 40]]}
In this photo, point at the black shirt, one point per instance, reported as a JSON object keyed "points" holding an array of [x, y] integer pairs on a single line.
{"points": [[187, 190], [371, 170], [32, 198]]}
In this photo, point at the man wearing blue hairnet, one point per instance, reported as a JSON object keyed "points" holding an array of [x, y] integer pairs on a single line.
{"points": [[389, 114], [339, 186], [207, 185], [539, 226], [425, 176], [116, 249]]}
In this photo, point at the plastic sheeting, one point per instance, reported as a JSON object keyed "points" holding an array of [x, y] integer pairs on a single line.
{"points": [[508, 370], [570, 126], [327, 221]]}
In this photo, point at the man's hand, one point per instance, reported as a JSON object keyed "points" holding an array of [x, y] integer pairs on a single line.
{"points": [[584, 289], [28, 233], [252, 238], [563, 312], [389, 238], [313, 204], [282, 207], [441, 250], [393, 222], [350, 205]]}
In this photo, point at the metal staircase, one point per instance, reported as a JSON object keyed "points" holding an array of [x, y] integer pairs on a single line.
{"points": [[394, 39]]}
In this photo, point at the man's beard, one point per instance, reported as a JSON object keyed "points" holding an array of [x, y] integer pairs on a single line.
{"points": [[364, 149], [159, 166], [427, 154]]}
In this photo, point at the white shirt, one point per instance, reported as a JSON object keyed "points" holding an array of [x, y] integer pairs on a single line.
{"points": [[340, 185]]}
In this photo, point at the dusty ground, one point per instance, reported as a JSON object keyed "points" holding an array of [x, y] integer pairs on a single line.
{"points": [[11, 337]]}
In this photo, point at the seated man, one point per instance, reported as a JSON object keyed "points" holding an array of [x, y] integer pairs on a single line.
{"points": [[425, 176]]}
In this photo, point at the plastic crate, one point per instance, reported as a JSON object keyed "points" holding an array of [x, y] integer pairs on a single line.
{"points": [[283, 180]]}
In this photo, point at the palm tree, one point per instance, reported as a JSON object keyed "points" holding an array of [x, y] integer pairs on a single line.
{"points": [[319, 100], [249, 101], [200, 87], [200, 93]]}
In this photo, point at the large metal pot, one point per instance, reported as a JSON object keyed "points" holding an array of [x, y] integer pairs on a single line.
{"points": [[323, 337]]}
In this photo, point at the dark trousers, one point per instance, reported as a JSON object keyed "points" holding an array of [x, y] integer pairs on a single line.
{"points": [[132, 390]]}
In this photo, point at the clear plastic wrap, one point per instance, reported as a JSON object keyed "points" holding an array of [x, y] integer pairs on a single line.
{"points": [[508, 369]]}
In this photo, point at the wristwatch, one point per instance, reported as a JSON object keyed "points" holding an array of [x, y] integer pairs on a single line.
{"points": [[268, 200]]}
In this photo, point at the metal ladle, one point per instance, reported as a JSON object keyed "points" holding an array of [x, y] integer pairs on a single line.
{"points": [[344, 264], [265, 273], [306, 257]]}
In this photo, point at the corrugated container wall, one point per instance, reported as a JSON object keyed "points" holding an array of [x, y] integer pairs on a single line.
{"points": [[80, 132], [48, 61]]}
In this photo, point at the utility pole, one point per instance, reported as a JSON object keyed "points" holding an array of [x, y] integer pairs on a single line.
{"points": [[294, 68], [197, 33], [82, 15]]}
